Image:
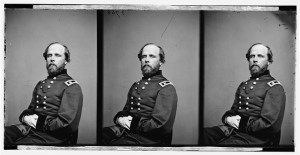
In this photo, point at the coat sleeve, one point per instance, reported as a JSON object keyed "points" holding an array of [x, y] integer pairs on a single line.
{"points": [[125, 111], [234, 108], [68, 115], [163, 114], [30, 109], [271, 114]]}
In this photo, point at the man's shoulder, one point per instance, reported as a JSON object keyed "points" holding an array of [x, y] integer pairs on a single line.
{"points": [[273, 83], [165, 83], [70, 82]]}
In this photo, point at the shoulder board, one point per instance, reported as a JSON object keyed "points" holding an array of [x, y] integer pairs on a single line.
{"points": [[70, 82], [273, 83], [165, 83]]}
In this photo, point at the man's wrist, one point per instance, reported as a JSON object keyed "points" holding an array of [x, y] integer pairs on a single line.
{"points": [[225, 121]]}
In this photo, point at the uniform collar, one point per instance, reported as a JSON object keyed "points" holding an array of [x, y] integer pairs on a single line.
{"points": [[266, 73], [63, 72], [158, 73]]}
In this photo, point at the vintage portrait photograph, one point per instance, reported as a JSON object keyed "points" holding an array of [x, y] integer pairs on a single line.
{"points": [[149, 78]]}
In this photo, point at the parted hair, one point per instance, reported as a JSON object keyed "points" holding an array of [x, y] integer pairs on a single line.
{"points": [[270, 54], [161, 52], [67, 52]]}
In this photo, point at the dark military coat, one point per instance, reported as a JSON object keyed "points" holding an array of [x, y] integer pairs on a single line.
{"points": [[260, 102], [58, 103], [152, 102]]}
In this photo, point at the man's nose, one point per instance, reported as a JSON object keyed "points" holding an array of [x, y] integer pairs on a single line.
{"points": [[51, 59], [146, 59], [255, 59]]}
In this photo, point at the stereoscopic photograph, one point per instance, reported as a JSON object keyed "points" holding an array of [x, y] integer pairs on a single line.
{"points": [[107, 77]]}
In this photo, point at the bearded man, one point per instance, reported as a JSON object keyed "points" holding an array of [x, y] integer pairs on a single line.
{"points": [[256, 115], [53, 115], [149, 113]]}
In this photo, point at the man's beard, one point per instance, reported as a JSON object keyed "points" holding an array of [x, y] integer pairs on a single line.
{"points": [[148, 71], [53, 70], [257, 71]]}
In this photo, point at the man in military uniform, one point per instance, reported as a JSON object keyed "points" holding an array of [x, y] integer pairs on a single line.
{"points": [[55, 109], [149, 113], [256, 115]]}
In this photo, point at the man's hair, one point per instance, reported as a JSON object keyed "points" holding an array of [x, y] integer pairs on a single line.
{"points": [[270, 54], [161, 52], [67, 52]]}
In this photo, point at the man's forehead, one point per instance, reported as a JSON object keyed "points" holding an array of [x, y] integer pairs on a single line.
{"points": [[261, 49], [151, 49], [56, 47]]}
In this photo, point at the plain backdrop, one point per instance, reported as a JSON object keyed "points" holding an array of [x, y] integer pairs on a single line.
{"points": [[228, 35], [27, 34], [177, 32]]}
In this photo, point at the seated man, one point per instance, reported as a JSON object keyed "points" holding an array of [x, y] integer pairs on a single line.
{"points": [[149, 113], [55, 109], [256, 115]]}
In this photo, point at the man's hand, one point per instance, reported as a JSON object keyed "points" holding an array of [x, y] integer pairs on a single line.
{"points": [[125, 121], [233, 121], [30, 120]]}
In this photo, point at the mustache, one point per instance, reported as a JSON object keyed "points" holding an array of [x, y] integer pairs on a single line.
{"points": [[51, 65], [146, 66], [254, 66]]}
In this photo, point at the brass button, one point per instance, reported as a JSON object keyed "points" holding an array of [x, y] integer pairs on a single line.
{"points": [[240, 102], [41, 87], [254, 83], [240, 97], [51, 82], [131, 102], [257, 78], [138, 103], [247, 103], [44, 102], [37, 96], [37, 101], [248, 98], [44, 107], [49, 87], [54, 78], [139, 108], [149, 79], [131, 97], [131, 108], [139, 98], [244, 87], [146, 83], [251, 87], [240, 107], [143, 87], [37, 106], [247, 108]]}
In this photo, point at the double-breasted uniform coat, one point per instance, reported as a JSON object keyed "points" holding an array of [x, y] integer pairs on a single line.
{"points": [[260, 101], [58, 103], [152, 102]]}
